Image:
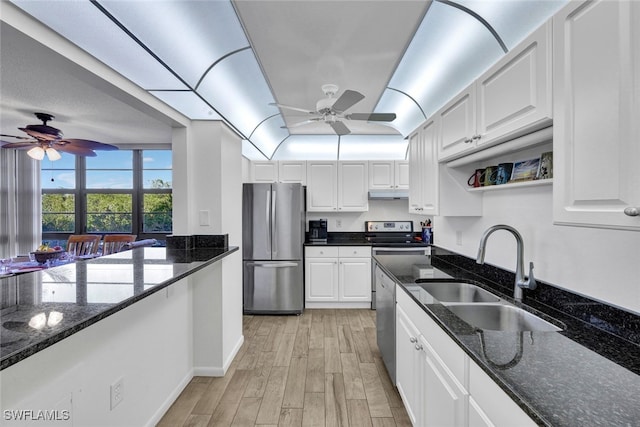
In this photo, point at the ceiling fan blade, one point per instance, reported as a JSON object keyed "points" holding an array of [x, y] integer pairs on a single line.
{"points": [[306, 122], [339, 128], [288, 107], [84, 143], [43, 132], [19, 145], [75, 149], [348, 99], [14, 136], [372, 117]]}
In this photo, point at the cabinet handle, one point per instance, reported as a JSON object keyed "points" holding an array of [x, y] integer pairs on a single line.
{"points": [[468, 141], [630, 211], [413, 339], [476, 137], [419, 347]]}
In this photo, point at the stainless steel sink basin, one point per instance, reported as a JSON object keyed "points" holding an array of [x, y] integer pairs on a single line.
{"points": [[501, 317], [457, 292]]}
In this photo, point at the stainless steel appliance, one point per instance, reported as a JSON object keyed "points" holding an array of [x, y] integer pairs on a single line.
{"points": [[273, 224], [386, 319], [318, 230], [393, 238]]}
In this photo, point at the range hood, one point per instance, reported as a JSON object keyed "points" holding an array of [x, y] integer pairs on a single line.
{"points": [[386, 194]]}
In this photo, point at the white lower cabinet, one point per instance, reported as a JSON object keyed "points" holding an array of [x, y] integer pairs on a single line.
{"points": [[338, 276], [438, 383], [409, 365]]}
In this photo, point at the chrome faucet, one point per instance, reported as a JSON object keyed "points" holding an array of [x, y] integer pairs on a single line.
{"points": [[520, 283]]}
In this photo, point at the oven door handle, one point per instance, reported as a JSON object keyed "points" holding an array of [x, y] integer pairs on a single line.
{"points": [[424, 250]]}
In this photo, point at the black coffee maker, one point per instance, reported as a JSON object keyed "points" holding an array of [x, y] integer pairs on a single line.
{"points": [[318, 231]]}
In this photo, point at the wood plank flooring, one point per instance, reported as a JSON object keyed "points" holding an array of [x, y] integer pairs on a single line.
{"points": [[322, 368]]}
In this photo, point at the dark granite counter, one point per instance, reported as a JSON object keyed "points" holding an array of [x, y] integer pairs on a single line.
{"points": [[583, 375], [41, 308]]}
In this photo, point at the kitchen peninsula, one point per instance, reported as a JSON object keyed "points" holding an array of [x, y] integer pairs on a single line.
{"points": [[70, 334]]}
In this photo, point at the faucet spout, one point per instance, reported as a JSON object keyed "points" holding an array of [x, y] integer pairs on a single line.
{"points": [[520, 281]]}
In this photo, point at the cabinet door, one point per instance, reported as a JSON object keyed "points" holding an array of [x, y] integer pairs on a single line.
{"points": [[355, 279], [514, 96], [457, 127], [408, 366], [429, 167], [264, 171], [381, 175], [401, 174], [353, 186], [445, 399], [292, 172], [492, 406], [321, 187], [596, 136], [321, 279], [415, 173]]}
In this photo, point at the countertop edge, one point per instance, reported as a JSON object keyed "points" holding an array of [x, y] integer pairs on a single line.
{"points": [[523, 404], [20, 355]]}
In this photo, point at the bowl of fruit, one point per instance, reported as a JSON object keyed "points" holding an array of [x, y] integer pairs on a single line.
{"points": [[45, 253]]}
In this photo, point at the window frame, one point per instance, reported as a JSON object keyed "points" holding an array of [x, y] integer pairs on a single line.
{"points": [[137, 193]]}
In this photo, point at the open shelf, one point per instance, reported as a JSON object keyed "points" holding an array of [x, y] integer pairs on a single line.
{"points": [[534, 183]]}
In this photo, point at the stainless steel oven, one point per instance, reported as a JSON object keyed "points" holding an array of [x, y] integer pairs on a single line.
{"points": [[393, 238]]}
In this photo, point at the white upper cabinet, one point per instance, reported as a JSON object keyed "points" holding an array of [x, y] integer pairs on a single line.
{"points": [[279, 171], [433, 190], [322, 186], [381, 175], [511, 99], [457, 127], [401, 172], [597, 108], [353, 186], [424, 188], [264, 171], [292, 171], [388, 174], [516, 93], [337, 186]]}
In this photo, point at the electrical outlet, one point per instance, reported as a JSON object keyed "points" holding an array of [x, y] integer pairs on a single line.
{"points": [[459, 238], [117, 393], [338, 223]]}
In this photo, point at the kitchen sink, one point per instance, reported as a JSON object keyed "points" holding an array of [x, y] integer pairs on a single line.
{"points": [[501, 317], [457, 292]]}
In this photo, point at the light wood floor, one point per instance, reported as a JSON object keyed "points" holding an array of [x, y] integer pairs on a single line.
{"points": [[322, 368]]}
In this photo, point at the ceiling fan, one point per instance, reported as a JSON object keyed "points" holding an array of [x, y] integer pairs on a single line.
{"points": [[330, 110], [47, 139]]}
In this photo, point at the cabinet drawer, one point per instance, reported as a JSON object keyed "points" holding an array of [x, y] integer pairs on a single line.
{"points": [[354, 251], [319, 252]]}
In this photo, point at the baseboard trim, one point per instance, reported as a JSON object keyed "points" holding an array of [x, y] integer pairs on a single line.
{"points": [[157, 416]]}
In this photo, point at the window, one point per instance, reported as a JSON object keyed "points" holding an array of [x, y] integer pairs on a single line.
{"points": [[124, 191]]}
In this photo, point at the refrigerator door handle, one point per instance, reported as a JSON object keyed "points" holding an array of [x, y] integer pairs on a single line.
{"points": [[272, 264], [274, 223], [267, 222]]}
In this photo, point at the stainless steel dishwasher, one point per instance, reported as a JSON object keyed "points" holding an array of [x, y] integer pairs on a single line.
{"points": [[386, 320]]}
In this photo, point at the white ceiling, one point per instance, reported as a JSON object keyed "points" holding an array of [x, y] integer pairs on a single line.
{"points": [[33, 78], [229, 60], [305, 44]]}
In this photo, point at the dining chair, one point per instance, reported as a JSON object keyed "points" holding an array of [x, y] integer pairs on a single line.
{"points": [[83, 244], [112, 243]]}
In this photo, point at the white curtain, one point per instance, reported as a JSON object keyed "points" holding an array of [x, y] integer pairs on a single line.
{"points": [[20, 203]]}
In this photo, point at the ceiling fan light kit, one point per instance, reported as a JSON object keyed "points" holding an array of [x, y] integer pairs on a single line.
{"points": [[49, 140], [331, 109]]}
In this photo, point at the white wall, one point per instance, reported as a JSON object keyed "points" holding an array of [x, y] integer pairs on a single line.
{"points": [[148, 345], [599, 263], [379, 210]]}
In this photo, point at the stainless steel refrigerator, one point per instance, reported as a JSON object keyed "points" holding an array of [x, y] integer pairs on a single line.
{"points": [[273, 226]]}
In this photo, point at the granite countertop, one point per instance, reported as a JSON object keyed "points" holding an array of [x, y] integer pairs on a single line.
{"points": [[41, 308], [558, 379]]}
